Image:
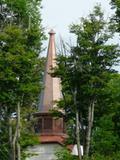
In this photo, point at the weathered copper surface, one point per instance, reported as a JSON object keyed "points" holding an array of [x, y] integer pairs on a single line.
{"points": [[52, 86], [50, 128], [53, 139]]}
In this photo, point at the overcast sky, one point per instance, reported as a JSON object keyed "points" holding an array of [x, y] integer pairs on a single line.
{"points": [[59, 14]]}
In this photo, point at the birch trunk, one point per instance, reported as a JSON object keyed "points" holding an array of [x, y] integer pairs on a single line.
{"points": [[77, 125], [78, 135], [14, 145], [13, 152], [89, 129], [10, 138], [18, 132]]}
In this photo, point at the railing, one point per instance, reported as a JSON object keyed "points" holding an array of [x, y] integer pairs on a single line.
{"points": [[48, 131]]}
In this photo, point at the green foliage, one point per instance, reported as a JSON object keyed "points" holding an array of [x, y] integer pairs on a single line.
{"points": [[116, 18], [105, 139], [28, 140], [64, 154], [106, 135], [98, 156], [18, 64], [87, 70], [21, 36], [24, 13]]}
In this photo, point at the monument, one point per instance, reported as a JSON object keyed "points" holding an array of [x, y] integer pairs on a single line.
{"points": [[51, 130]]}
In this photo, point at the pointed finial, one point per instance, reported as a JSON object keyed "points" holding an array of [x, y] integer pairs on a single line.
{"points": [[52, 32]]}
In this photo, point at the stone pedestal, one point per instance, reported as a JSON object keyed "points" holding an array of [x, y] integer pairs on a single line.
{"points": [[44, 151]]}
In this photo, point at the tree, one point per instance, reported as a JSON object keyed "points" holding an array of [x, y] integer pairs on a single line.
{"points": [[106, 137], [116, 18], [64, 154], [85, 71], [20, 65], [95, 60]]}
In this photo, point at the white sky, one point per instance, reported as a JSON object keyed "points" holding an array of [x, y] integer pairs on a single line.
{"points": [[59, 14]]}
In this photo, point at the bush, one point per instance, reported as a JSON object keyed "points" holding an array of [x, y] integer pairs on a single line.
{"points": [[64, 154], [97, 156]]}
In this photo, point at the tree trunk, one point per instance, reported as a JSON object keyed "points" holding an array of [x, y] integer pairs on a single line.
{"points": [[18, 132], [13, 152], [77, 125], [29, 23], [16, 138], [10, 138], [78, 135], [14, 145], [89, 128]]}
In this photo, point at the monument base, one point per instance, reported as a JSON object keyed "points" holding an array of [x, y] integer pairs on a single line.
{"points": [[44, 151]]}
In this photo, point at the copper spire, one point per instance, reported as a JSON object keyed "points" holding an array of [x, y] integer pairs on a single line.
{"points": [[52, 32], [52, 89]]}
